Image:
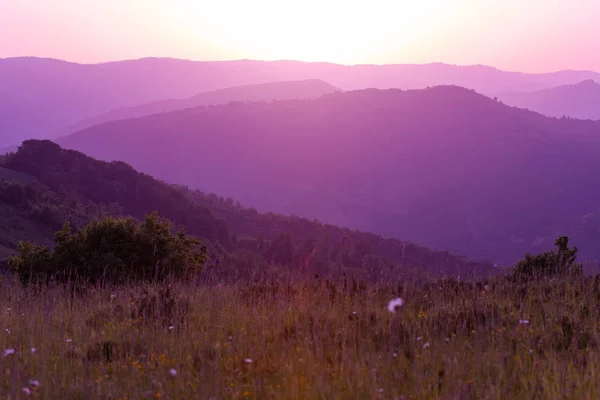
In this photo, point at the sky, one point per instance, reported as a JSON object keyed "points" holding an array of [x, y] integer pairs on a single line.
{"points": [[516, 35]]}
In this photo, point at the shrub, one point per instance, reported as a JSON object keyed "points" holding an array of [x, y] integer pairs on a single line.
{"points": [[550, 264], [112, 250]]}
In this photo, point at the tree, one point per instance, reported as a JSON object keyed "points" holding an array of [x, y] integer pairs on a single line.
{"points": [[112, 250], [550, 264]]}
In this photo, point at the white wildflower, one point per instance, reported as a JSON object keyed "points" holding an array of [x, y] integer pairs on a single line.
{"points": [[69, 340], [8, 331], [395, 355], [419, 338], [426, 345], [171, 327], [27, 391], [380, 390], [523, 321], [248, 361], [394, 304], [33, 349], [34, 382], [8, 352], [173, 372], [447, 340]]}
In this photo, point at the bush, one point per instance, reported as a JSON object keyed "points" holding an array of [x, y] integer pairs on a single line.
{"points": [[112, 250], [550, 264]]}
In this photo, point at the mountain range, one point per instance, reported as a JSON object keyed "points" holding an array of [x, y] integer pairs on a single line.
{"points": [[581, 100], [42, 98], [445, 167], [285, 90]]}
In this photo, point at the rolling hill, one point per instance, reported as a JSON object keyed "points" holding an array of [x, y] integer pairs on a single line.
{"points": [[445, 166], [41, 97], [306, 89], [581, 100], [42, 186]]}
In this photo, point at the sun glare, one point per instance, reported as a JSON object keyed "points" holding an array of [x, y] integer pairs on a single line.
{"points": [[312, 30]]}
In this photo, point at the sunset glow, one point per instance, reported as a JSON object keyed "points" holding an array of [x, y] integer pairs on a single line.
{"points": [[511, 34]]}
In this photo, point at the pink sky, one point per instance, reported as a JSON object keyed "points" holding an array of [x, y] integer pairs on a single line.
{"points": [[522, 35]]}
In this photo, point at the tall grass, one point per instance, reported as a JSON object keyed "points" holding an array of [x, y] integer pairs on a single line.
{"points": [[303, 340]]}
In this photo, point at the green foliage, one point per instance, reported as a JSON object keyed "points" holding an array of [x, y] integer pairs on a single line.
{"points": [[550, 264], [115, 250], [61, 186]]}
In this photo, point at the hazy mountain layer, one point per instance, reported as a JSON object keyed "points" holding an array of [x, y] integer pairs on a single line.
{"points": [[43, 97], [445, 167]]}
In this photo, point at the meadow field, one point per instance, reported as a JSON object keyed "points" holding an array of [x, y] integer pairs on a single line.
{"points": [[303, 339]]}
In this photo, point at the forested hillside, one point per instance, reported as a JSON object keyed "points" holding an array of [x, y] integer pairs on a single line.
{"points": [[445, 167], [44, 186]]}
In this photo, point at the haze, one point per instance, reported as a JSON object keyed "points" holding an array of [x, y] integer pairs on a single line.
{"points": [[526, 36]]}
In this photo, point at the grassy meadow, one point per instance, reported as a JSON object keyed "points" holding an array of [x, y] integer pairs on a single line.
{"points": [[303, 339]]}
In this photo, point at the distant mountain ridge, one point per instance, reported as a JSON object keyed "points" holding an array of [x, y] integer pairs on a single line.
{"points": [[445, 166], [43, 96], [306, 89], [581, 100]]}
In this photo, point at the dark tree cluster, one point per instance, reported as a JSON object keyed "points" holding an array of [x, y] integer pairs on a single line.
{"points": [[241, 242]]}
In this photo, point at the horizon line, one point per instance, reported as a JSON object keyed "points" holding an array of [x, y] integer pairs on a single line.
{"points": [[295, 61]]}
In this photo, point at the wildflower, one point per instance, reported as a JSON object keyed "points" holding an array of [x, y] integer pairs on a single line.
{"points": [[173, 372], [35, 383], [248, 361], [69, 340], [395, 304], [113, 296], [447, 340], [426, 345], [523, 321], [33, 349], [395, 355], [8, 331], [8, 352], [27, 391], [171, 327], [419, 338]]}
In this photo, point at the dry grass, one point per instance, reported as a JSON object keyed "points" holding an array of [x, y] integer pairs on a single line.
{"points": [[303, 340]]}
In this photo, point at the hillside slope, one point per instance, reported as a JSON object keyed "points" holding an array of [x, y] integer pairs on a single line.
{"points": [[581, 100], [445, 166], [70, 186]]}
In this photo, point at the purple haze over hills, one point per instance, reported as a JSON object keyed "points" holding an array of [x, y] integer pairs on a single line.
{"points": [[444, 167], [581, 100], [61, 94], [306, 89]]}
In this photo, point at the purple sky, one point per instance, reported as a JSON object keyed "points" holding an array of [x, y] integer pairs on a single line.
{"points": [[523, 35]]}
